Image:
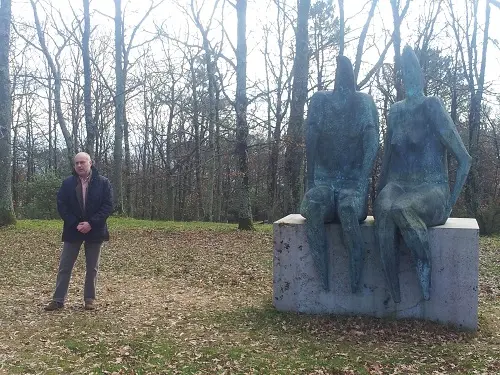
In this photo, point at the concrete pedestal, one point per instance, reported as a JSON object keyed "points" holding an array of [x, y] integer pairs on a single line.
{"points": [[454, 248]]}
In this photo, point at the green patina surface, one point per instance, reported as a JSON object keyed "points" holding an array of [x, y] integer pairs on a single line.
{"points": [[413, 191], [341, 145]]}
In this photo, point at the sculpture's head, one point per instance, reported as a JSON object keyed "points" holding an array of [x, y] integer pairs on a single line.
{"points": [[344, 75], [413, 79]]}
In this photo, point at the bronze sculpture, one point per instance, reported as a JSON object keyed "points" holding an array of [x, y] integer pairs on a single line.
{"points": [[413, 191], [341, 145]]}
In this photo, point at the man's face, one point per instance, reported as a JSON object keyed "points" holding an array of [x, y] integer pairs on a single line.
{"points": [[82, 165]]}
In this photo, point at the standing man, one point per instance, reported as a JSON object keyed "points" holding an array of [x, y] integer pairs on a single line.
{"points": [[84, 202]]}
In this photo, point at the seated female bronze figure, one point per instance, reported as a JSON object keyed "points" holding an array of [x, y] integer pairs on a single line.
{"points": [[413, 192]]}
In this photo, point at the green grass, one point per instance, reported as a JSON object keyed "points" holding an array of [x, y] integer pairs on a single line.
{"points": [[195, 298], [123, 223]]}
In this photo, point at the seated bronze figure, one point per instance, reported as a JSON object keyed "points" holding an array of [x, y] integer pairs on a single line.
{"points": [[341, 145], [413, 191]]}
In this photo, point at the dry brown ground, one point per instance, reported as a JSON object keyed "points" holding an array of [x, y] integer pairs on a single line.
{"points": [[198, 301]]}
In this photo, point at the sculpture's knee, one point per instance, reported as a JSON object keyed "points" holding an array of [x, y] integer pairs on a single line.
{"points": [[313, 205], [305, 207], [312, 210]]}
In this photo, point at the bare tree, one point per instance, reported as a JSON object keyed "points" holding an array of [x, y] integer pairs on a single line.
{"points": [[197, 134], [397, 19], [294, 155], [325, 41], [55, 70], [87, 76], [474, 64], [342, 28], [6, 207], [245, 212], [362, 38], [119, 109], [278, 101], [209, 56], [122, 65]]}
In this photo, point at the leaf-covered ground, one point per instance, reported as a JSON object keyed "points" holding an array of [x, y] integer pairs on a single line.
{"points": [[180, 298]]}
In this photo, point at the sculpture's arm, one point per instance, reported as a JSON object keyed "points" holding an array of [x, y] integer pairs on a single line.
{"points": [[370, 144], [451, 139], [382, 181], [314, 118]]}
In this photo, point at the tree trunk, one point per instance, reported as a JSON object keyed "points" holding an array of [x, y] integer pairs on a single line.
{"points": [[127, 183], [76, 102], [294, 155], [211, 131], [218, 152], [472, 195], [15, 146], [119, 108], [398, 82], [274, 136], [168, 155], [6, 206], [87, 101], [362, 38], [341, 27], [245, 212], [197, 142], [145, 166], [52, 128], [472, 187], [30, 167], [210, 68]]}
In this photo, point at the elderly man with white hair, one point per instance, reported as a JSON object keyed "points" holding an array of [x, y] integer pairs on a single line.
{"points": [[84, 202]]}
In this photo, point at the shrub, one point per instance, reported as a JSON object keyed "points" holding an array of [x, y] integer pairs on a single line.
{"points": [[489, 220], [37, 198]]}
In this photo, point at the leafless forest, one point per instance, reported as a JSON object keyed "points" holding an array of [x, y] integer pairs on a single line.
{"points": [[195, 109]]}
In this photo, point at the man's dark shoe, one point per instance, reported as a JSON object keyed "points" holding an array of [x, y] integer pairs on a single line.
{"points": [[54, 305], [90, 305]]}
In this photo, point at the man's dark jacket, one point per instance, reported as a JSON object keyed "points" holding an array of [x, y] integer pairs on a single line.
{"points": [[98, 206]]}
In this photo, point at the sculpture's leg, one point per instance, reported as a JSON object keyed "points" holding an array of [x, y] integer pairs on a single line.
{"points": [[314, 208], [353, 240], [415, 234], [386, 237], [386, 234]]}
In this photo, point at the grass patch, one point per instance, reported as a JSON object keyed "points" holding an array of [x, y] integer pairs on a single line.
{"points": [[195, 298], [124, 223]]}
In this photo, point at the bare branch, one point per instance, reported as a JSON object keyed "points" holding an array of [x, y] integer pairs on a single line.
{"points": [[229, 40], [134, 31], [23, 37], [231, 3], [455, 27], [377, 65], [227, 59], [362, 37]]}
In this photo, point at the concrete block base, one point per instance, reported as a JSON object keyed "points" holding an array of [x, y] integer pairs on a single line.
{"points": [[454, 279]]}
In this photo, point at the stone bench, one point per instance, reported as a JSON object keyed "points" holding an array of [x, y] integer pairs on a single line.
{"points": [[454, 280]]}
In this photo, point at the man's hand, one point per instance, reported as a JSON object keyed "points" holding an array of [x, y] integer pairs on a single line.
{"points": [[83, 227]]}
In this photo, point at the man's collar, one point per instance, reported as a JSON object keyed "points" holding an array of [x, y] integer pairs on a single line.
{"points": [[86, 179]]}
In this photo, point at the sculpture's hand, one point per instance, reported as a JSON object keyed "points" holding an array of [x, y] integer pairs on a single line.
{"points": [[358, 196]]}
